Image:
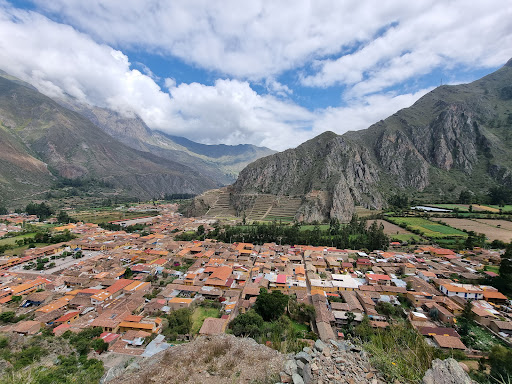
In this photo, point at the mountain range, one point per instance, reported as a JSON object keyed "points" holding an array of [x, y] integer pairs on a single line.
{"points": [[456, 137], [44, 140]]}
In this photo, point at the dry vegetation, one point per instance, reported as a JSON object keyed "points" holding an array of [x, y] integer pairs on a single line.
{"points": [[210, 360]]}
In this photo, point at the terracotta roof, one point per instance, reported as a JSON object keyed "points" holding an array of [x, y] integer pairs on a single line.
{"points": [[212, 326], [449, 342]]}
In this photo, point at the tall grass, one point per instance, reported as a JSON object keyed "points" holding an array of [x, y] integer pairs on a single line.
{"points": [[399, 352]]}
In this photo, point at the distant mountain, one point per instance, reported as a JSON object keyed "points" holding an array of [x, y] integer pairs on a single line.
{"points": [[221, 163], [452, 139], [40, 141]]}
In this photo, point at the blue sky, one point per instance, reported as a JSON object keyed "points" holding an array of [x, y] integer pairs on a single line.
{"points": [[272, 73]]}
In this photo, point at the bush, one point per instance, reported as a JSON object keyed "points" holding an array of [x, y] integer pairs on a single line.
{"points": [[270, 306], [247, 324]]}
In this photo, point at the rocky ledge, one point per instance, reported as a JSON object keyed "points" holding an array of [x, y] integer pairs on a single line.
{"points": [[335, 362]]}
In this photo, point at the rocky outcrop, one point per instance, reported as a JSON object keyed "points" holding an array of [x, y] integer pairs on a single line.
{"points": [[332, 362], [447, 371]]}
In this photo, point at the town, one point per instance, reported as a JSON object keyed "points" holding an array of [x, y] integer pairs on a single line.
{"points": [[143, 291]]}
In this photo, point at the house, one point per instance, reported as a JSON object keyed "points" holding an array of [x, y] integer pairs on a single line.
{"points": [[482, 315], [504, 327], [427, 275], [341, 318], [449, 342], [363, 264], [494, 296], [378, 279], [179, 302], [212, 326], [138, 323], [28, 327], [466, 291], [67, 318]]}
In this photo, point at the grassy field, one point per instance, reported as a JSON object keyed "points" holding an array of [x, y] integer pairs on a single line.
{"points": [[201, 313], [12, 240], [428, 228], [107, 215], [323, 227], [19, 250], [460, 207]]}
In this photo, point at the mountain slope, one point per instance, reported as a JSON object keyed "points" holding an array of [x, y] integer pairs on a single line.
{"points": [[454, 138], [40, 134], [221, 163]]}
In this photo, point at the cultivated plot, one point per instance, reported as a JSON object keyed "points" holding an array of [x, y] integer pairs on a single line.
{"points": [[487, 227]]}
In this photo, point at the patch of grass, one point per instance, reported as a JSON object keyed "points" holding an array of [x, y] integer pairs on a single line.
{"points": [[12, 240], [19, 250], [201, 313], [493, 268]]}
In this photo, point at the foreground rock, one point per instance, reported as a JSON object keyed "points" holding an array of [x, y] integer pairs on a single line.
{"points": [[447, 371], [209, 360], [335, 362]]}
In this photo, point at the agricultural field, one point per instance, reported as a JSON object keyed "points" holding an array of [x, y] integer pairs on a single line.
{"points": [[100, 216], [504, 224], [363, 212], [475, 207], [429, 228], [395, 232], [488, 227]]}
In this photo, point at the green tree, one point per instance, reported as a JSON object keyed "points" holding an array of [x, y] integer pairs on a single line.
{"points": [[500, 360], [128, 273], [64, 218], [465, 197], [42, 210], [247, 324], [270, 306], [99, 345]]}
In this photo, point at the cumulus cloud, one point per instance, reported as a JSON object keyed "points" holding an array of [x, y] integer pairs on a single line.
{"points": [[443, 35], [361, 113], [251, 40], [60, 61]]}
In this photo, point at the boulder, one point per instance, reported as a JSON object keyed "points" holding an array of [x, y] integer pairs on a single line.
{"points": [[446, 371]]}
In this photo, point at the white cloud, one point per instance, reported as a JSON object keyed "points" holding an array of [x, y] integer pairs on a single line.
{"points": [[360, 114], [59, 60], [230, 112], [477, 34], [252, 40]]}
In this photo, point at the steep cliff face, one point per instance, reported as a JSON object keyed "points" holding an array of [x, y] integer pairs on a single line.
{"points": [[454, 138], [343, 170]]}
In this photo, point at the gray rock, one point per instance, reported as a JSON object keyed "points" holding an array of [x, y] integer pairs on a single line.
{"points": [[307, 374], [307, 350], [303, 356], [290, 367], [297, 379], [300, 367], [446, 372], [320, 345]]}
